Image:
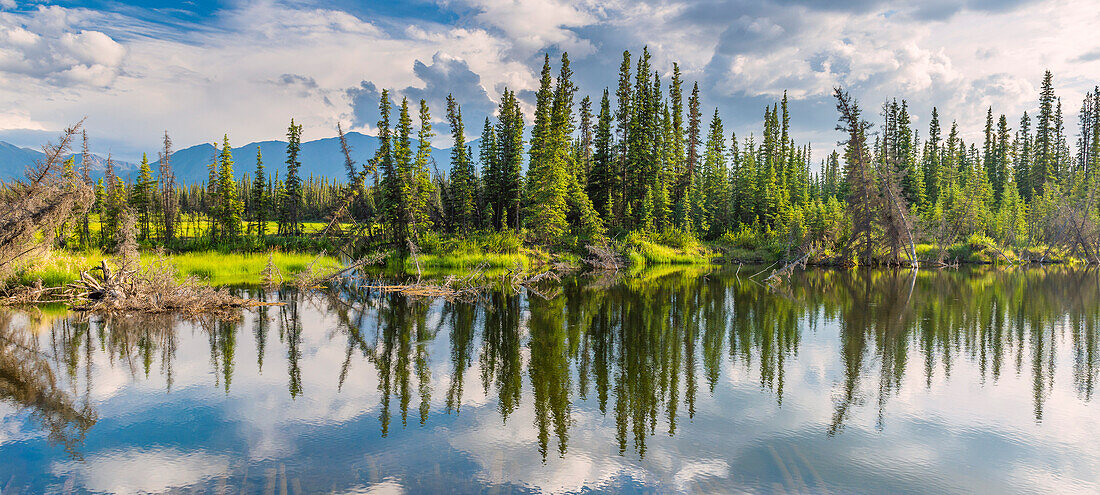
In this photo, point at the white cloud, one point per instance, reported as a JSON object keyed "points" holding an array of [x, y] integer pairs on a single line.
{"points": [[388, 486], [963, 62], [41, 47], [141, 471], [201, 84], [19, 119], [135, 79], [535, 24]]}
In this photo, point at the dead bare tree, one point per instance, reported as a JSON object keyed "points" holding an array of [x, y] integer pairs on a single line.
{"points": [[603, 257], [32, 210], [168, 190], [896, 217]]}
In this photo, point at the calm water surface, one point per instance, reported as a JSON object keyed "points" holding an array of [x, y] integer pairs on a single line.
{"points": [[676, 380]]}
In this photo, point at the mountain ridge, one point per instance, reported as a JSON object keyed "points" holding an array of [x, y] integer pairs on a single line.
{"points": [[319, 158]]}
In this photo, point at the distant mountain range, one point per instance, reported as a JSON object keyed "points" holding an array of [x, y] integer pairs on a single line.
{"points": [[320, 158], [14, 162]]}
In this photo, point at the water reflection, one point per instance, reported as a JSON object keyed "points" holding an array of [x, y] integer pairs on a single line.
{"points": [[642, 352], [28, 379]]}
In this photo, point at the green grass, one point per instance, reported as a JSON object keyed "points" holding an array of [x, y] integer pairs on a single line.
{"points": [[745, 255], [976, 249], [191, 226], [62, 267], [467, 261], [642, 250], [55, 268], [449, 253], [217, 268]]}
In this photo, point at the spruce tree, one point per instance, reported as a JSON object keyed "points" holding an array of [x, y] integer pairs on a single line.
{"points": [[509, 162], [1045, 164], [227, 208], [291, 200], [86, 175], [141, 197], [582, 155], [715, 180], [601, 180], [862, 194], [259, 200], [832, 176], [546, 178], [639, 170], [169, 200], [912, 183], [422, 188], [401, 194], [691, 157], [558, 204], [1000, 176], [462, 195], [989, 146], [677, 146], [1022, 151], [114, 203], [490, 173], [623, 113], [100, 207], [931, 163], [384, 161]]}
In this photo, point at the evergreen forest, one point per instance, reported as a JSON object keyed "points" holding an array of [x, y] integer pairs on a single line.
{"points": [[644, 163]]}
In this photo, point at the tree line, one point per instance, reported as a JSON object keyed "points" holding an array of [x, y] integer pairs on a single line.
{"points": [[641, 158]]}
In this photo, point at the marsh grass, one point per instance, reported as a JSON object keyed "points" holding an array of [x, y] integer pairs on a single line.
{"points": [[468, 260], [487, 250], [59, 268], [198, 225], [664, 249], [246, 268]]}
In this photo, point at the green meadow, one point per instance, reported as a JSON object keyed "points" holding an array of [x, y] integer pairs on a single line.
{"points": [[58, 268]]}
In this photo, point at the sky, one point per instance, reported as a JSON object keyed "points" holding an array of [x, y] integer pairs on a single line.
{"points": [[203, 68]]}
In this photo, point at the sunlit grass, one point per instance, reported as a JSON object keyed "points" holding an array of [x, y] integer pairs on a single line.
{"points": [[198, 225], [55, 268], [641, 250], [58, 268], [244, 268], [467, 261]]}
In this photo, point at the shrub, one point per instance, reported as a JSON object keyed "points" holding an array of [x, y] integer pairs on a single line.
{"points": [[745, 237], [680, 239]]}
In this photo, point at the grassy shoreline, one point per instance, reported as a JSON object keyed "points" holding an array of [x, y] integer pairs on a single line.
{"points": [[58, 268], [496, 252]]}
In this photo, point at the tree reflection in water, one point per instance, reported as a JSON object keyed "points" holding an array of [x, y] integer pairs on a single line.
{"points": [[640, 349]]}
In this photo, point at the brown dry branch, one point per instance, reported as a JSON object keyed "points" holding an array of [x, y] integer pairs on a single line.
{"points": [[603, 257], [783, 274], [154, 291], [120, 289], [476, 285], [307, 278], [469, 288], [270, 273], [310, 279], [370, 259], [127, 251]]}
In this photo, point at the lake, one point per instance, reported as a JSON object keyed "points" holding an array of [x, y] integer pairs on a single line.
{"points": [[691, 379]]}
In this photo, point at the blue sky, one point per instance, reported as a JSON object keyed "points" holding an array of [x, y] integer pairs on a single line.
{"points": [[203, 68]]}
